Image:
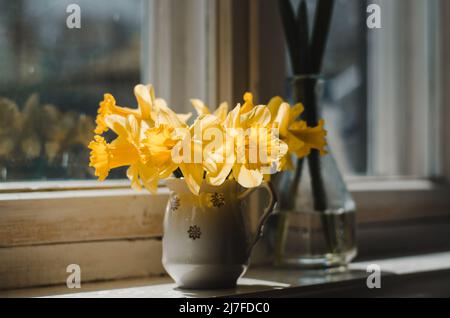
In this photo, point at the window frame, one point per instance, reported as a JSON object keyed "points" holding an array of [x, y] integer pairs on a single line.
{"points": [[408, 142]]}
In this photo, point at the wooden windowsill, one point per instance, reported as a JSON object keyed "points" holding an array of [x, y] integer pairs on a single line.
{"points": [[115, 233], [400, 275]]}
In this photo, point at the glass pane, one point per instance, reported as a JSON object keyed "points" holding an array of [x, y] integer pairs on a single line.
{"points": [[403, 76], [344, 104], [53, 77], [345, 92], [379, 87]]}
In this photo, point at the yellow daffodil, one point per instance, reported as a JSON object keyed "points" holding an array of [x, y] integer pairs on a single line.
{"points": [[105, 157], [249, 167], [248, 103], [136, 147], [199, 151], [165, 116], [148, 108], [109, 107], [202, 109], [153, 141], [300, 138], [145, 96], [156, 151], [313, 137], [121, 152]]}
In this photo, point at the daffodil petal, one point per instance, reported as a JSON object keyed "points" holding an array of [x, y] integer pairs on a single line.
{"points": [[295, 112], [258, 116], [165, 116], [274, 104], [184, 117], [193, 176], [108, 107], [248, 178], [286, 163], [133, 175], [313, 137], [222, 173], [149, 177], [233, 118], [117, 124], [200, 107], [145, 96], [248, 103], [282, 119], [99, 157], [222, 111]]}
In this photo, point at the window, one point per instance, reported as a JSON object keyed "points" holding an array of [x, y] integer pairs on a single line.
{"points": [[344, 75], [404, 90], [171, 44], [53, 78], [384, 102], [380, 97]]}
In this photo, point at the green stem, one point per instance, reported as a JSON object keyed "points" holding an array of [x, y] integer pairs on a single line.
{"points": [[320, 200], [307, 60], [321, 29], [296, 181], [289, 24], [303, 38], [305, 90]]}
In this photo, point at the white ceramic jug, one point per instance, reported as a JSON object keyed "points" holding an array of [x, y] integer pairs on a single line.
{"points": [[207, 238]]}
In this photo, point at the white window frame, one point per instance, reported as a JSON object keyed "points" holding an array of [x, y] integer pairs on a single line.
{"points": [[403, 73]]}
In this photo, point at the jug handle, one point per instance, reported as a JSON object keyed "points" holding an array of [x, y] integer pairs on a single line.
{"points": [[267, 211]]}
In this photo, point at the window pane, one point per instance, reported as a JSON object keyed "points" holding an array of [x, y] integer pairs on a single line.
{"points": [[380, 91], [345, 93], [403, 91], [53, 77]]}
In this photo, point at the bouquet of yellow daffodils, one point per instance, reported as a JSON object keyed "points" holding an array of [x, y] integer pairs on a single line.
{"points": [[247, 144]]}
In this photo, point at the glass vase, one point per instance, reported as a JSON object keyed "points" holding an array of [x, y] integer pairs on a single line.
{"points": [[316, 222]]}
